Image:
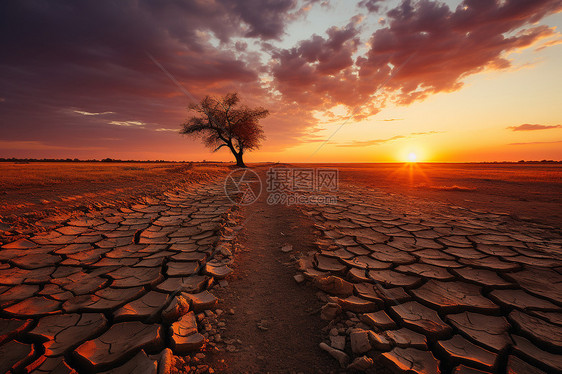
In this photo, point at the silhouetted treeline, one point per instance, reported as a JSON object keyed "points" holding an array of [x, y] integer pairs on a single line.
{"points": [[13, 159], [539, 162]]}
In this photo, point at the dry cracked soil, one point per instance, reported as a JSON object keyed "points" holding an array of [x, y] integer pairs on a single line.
{"points": [[185, 281]]}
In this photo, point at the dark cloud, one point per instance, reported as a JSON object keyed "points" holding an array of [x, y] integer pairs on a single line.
{"points": [[425, 48], [266, 18], [371, 5], [317, 70], [429, 48], [63, 58], [530, 127]]}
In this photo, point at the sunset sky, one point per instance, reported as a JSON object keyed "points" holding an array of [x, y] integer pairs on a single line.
{"points": [[345, 81]]}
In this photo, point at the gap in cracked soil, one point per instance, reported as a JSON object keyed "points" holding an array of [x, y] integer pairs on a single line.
{"points": [[273, 315]]}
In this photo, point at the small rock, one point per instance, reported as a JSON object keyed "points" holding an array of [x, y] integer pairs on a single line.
{"points": [[231, 348], [299, 278], [287, 248], [342, 357], [338, 342], [201, 301], [330, 311], [231, 311], [177, 308], [361, 363], [334, 285], [200, 356], [334, 332], [321, 296], [380, 342], [360, 341], [166, 361]]}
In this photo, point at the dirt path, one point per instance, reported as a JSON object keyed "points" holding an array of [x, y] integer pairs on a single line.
{"points": [[272, 313]]}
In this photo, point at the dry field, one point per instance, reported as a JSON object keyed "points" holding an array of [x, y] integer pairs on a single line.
{"points": [[187, 283], [525, 191], [31, 191]]}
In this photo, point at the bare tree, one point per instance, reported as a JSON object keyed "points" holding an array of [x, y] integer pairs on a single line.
{"points": [[222, 122]]}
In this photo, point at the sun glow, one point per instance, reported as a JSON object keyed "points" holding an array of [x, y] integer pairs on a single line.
{"points": [[412, 157]]}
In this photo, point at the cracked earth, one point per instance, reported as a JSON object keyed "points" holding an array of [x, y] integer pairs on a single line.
{"points": [[187, 282]]}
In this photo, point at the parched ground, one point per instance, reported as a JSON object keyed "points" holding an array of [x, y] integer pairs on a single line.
{"points": [[184, 281], [36, 195]]}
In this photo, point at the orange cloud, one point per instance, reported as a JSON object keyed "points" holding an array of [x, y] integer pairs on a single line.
{"points": [[530, 127]]}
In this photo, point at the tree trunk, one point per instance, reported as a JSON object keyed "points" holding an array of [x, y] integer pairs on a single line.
{"points": [[239, 161]]}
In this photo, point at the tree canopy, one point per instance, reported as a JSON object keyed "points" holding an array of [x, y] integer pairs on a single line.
{"points": [[224, 122]]}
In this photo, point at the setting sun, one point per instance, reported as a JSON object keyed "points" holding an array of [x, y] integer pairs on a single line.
{"points": [[412, 157]]}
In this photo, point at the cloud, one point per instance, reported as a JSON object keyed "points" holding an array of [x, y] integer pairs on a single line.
{"points": [[371, 5], [315, 72], [102, 65], [266, 19], [391, 119], [423, 48], [367, 143], [428, 48], [530, 127], [531, 143], [127, 123], [170, 130], [92, 114]]}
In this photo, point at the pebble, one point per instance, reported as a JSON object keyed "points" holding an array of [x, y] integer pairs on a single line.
{"points": [[299, 278], [341, 356], [337, 342], [287, 248], [330, 311]]}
